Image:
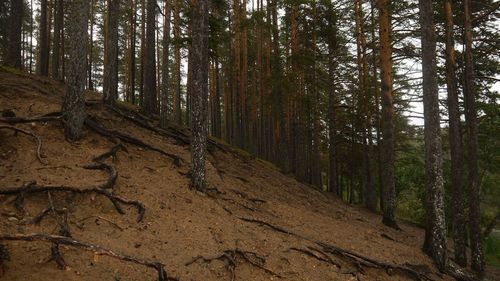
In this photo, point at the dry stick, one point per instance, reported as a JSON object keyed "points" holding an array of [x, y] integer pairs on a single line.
{"points": [[104, 219], [96, 127], [37, 138], [355, 257], [97, 250]]}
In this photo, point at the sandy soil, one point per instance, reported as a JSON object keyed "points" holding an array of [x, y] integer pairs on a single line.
{"points": [[180, 224]]}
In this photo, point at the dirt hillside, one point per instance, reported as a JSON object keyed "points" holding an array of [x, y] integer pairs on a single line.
{"points": [[254, 224]]}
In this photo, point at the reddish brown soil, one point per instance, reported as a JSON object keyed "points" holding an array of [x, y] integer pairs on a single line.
{"points": [[179, 223]]}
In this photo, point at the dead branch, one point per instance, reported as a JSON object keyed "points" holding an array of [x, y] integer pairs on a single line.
{"points": [[113, 134], [35, 136], [96, 249], [104, 219]]}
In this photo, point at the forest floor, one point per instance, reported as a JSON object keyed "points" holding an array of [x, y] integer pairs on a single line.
{"points": [[254, 224]]}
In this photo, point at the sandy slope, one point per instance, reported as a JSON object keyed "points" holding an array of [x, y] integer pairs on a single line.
{"points": [[180, 224]]}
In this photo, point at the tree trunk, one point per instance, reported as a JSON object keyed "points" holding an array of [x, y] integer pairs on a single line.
{"points": [[435, 232], [177, 57], [368, 185], [143, 53], [388, 176], [14, 42], [456, 149], [131, 66], [199, 93], [43, 68], [58, 25], [476, 239], [74, 101], [150, 99], [165, 67], [91, 46], [110, 83]]}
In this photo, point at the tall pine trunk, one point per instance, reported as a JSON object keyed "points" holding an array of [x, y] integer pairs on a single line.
{"points": [[199, 124], [149, 78], [14, 42], [435, 231], [43, 64], [476, 238], [164, 114], [58, 25], [388, 144], [456, 148], [73, 108], [110, 84]]}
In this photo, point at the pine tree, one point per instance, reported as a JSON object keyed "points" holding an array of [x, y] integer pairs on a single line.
{"points": [[455, 139], [199, 122], [388, 144], [73, 108], [435, 232], [150, 99], [110, 84], [13, 57]]}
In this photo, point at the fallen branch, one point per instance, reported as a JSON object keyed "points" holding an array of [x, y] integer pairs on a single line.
{"points": [[113, 134], [97, 250], [36, 137], [104, 219]]}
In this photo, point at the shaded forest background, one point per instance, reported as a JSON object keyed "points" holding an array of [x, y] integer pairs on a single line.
{"points": [[295, 83]]}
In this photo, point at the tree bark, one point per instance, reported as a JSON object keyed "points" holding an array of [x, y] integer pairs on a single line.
{"points": [[199, 97], [164, 114], [74, 101], [131, 66], [388, 143], [58, 25], [455, 139], [110, 83], [13, 58], [476, 239], [43, 68], [368, 185], [177, 58], [150, 98], [435, 232]]}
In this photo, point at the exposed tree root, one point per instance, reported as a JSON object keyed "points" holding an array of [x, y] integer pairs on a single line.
{"points": [[172, 131], [110, 153], [357, 259], [247, 197], [460, 274], [35, 136], [97, 250], [113, 134], [230, 256], [53, 116], [313, 252], [33, 187]]}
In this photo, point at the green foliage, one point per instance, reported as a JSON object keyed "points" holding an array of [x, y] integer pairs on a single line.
{"points": [[492, 250]]}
